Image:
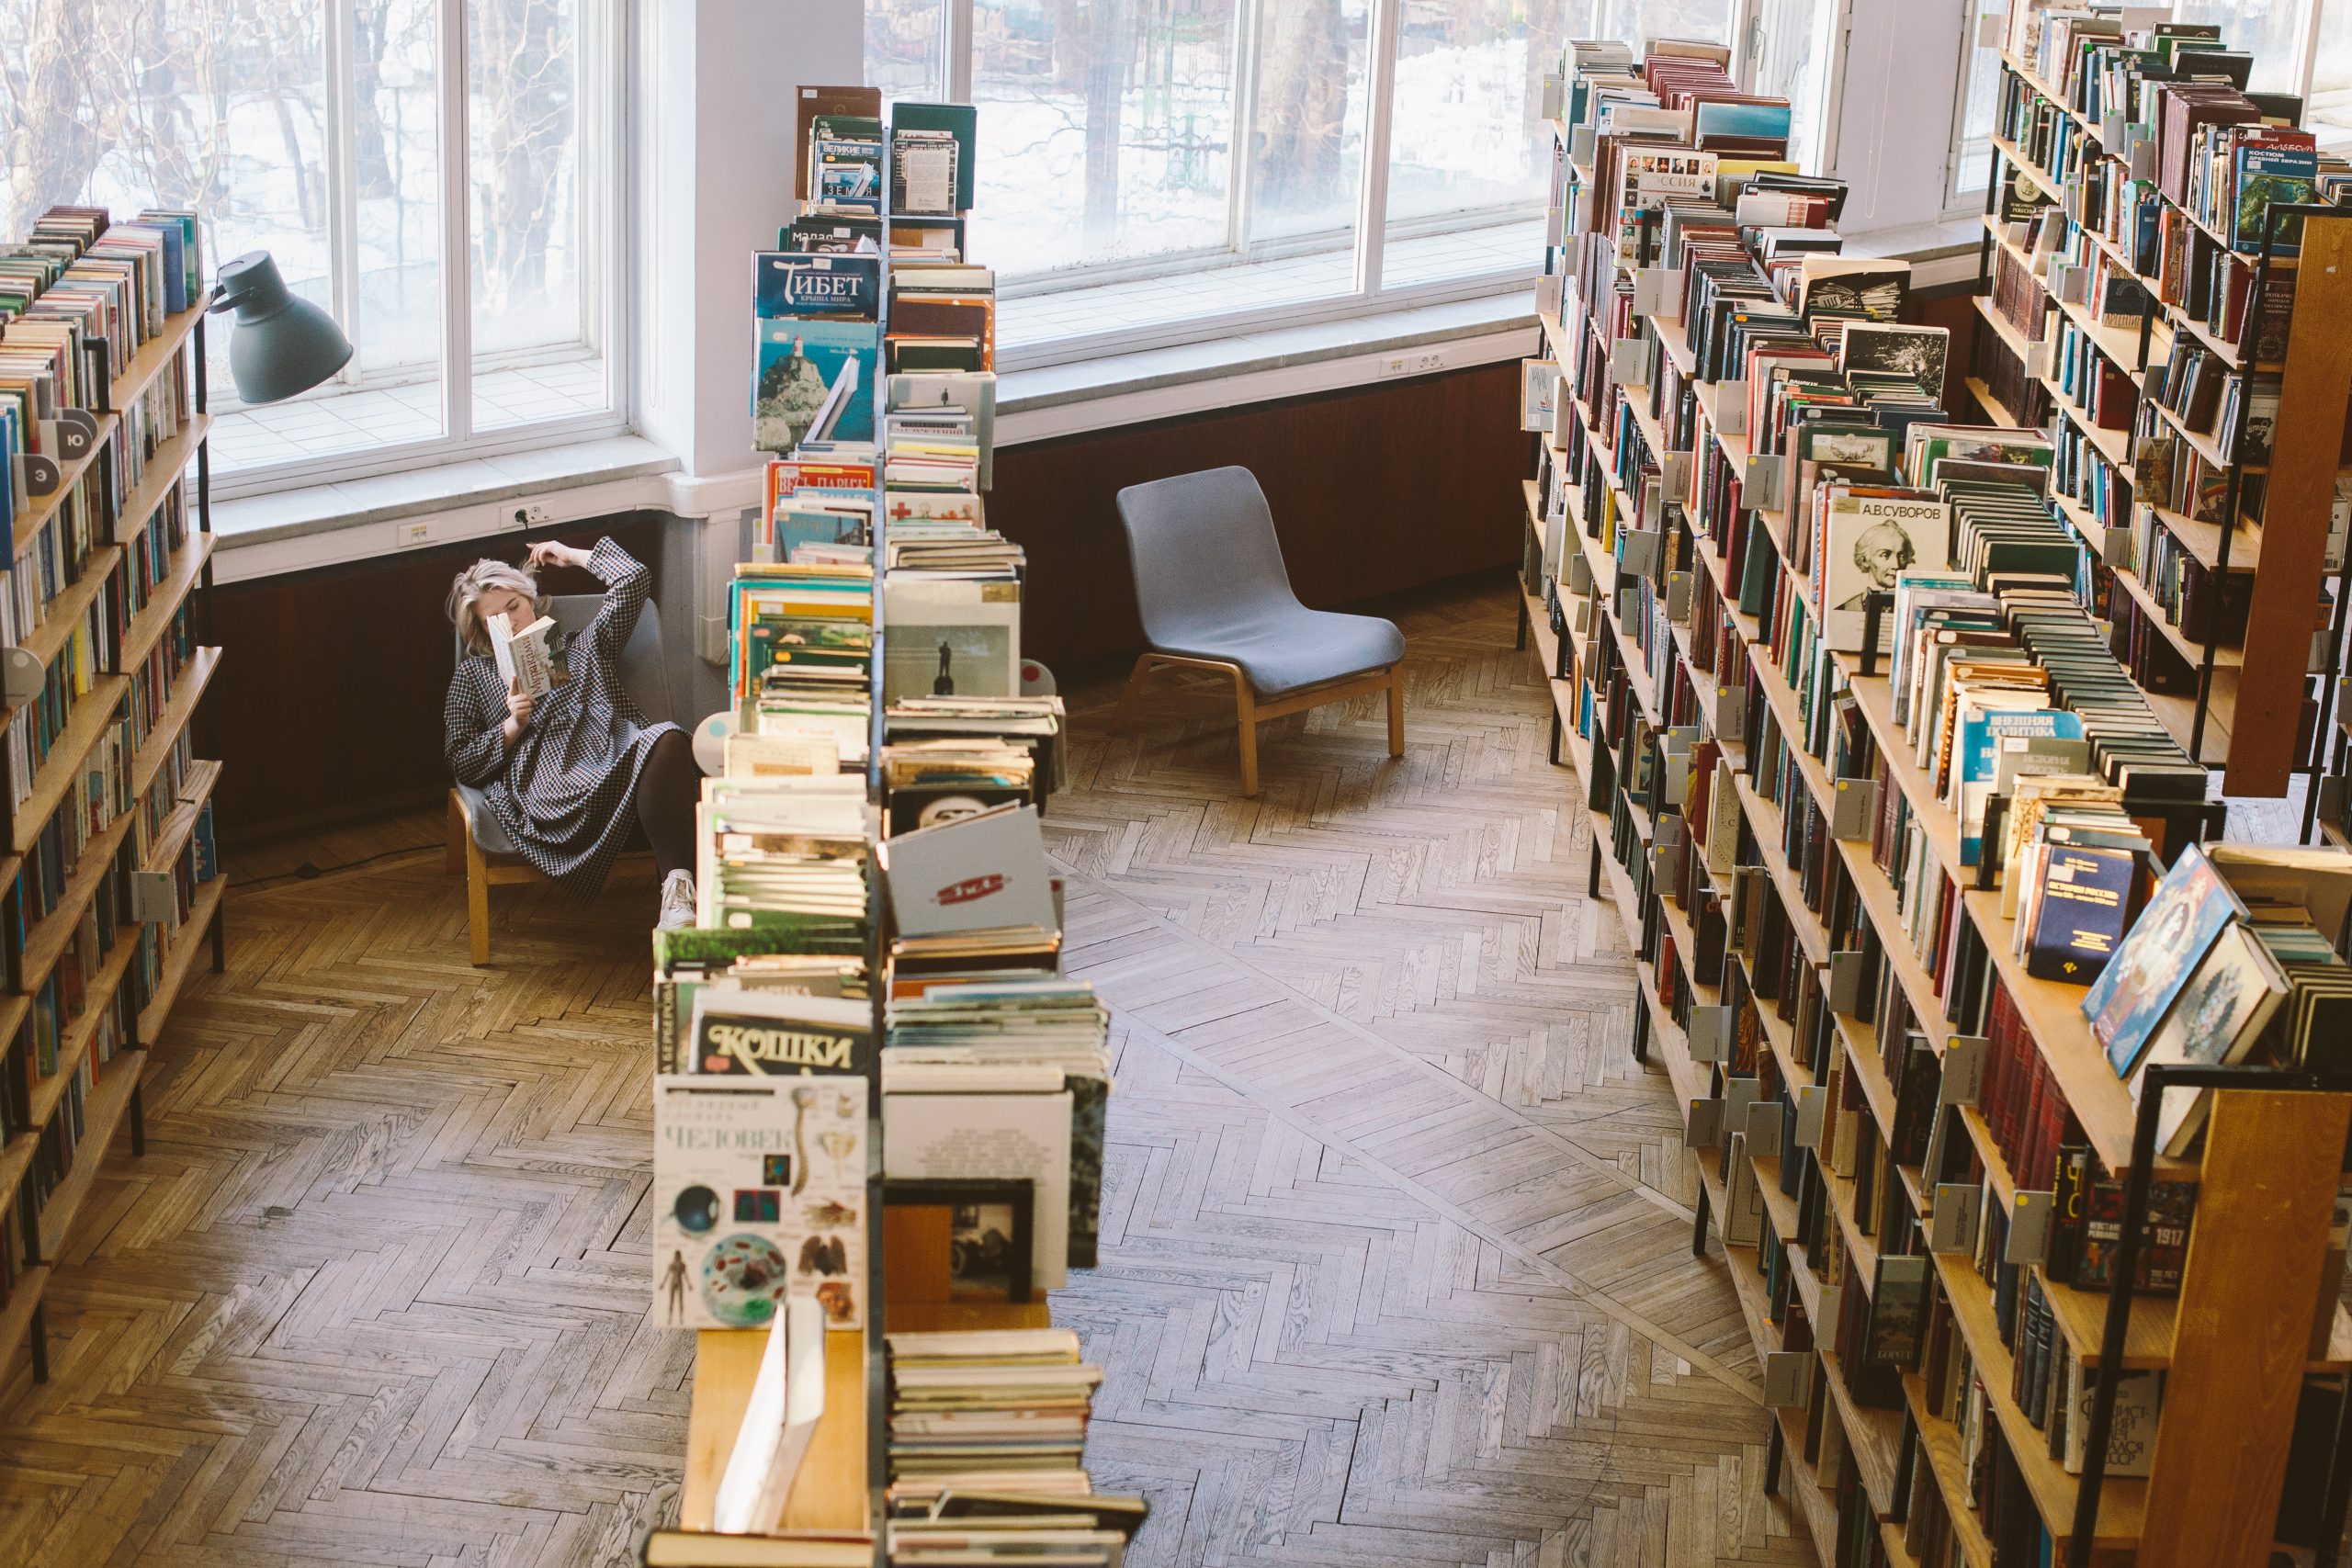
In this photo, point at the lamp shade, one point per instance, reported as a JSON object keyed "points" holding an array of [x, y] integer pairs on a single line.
{"points": [[281, 344]]}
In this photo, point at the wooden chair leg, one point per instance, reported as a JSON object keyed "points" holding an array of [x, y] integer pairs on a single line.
{"points": [[453, 855], [477, 901], [1397, 711], [1135, 678], [1244, 703]]}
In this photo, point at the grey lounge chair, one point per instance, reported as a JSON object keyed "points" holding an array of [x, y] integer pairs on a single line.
{"points": [[1213, 594], [478, 845]]}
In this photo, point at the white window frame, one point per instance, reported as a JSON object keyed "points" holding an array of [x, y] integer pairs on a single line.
{"points": [[1966, 201], [602, 111], [1368, 293]]}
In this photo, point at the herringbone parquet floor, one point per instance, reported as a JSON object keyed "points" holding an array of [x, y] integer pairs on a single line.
{"points": [[1396, 1266]]}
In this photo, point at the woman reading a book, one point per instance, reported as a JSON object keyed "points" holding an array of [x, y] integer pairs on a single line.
{"points": [[569, 772]]}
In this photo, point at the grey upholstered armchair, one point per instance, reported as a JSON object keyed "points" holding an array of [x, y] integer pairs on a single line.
{"points": [[1214, 595]]}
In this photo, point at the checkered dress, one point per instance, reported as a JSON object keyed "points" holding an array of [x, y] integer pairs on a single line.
{"points": [[563, 792]]}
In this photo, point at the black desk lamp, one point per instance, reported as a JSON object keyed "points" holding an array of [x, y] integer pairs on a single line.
{"points": [[282, 345]]}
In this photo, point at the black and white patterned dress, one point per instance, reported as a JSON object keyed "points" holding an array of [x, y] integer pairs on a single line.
{"points": [[563, 792]]}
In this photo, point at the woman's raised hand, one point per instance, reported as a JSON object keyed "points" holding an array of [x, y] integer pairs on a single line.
{"points": [[553, 552]]}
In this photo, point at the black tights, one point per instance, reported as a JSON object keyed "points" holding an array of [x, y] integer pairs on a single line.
{"points": [[668, 787]]}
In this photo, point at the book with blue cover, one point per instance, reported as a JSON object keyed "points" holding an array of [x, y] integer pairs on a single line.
{"points": [[2079, 914], [2263, 175], [1981, 734], [816, 345], [835, 285], [2163, 949], [813, 381]]}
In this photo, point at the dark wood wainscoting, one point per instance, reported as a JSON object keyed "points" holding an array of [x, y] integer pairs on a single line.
{"points": [[328, 707], [1372, 491], [328, 703]]}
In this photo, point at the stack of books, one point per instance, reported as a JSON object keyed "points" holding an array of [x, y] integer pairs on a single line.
{"points": [[1010, 1050], [817, 510], [952, 601], [1033, 722], [691, 959], [786, 857], [987, 1410], [942, 317], [929, 782], [801, 657], [987, 1430], [940, 415], [970, 893]]}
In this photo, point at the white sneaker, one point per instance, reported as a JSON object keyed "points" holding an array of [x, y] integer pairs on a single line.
{"points": [[677, 901]]}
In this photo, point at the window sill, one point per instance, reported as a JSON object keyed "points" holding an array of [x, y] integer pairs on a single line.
{"points": [[1258, 367], [293, 530], [327, 525]]}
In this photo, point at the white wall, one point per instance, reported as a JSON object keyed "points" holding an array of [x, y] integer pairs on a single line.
{"points": [[717, 84], [712, 143]]}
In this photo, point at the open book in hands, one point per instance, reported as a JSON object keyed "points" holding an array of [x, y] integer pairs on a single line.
{"points": [[521, 654]]}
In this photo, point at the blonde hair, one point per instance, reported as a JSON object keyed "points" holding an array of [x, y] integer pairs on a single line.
{"points": [[465, 598]]}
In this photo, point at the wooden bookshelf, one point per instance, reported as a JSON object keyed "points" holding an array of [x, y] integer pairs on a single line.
{"points": [[48, 940], [2257, 715], [154, 356], [154, 618], [1939, 1447], [93, 873], [187, 692], [102, 1113], [830, 1495], [2155, 1334], [180, 958], [62, 614], [54, 777]]}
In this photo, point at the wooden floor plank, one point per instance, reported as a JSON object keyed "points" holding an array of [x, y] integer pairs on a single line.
{"points": [[1394, 1230]]}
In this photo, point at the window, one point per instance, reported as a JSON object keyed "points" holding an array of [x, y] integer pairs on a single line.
{"points": [[2301, 47], [1106, 133], [1469, 158], [2270, 30], [1980, 94], [1151, 167], [1633, 22], [463, 241], [1794, 47], [2330, 112]]}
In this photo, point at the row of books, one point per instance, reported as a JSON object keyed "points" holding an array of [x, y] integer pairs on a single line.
{"points": [[1684, 561], [2177, 160], [80, 296], [56, 1139], [921, 161], [853, 292], [877, 915], [2185, 414]]}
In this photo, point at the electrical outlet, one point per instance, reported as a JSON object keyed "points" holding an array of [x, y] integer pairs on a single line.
{"points": [[1396, 365], [531, 514], [415, 533]]}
